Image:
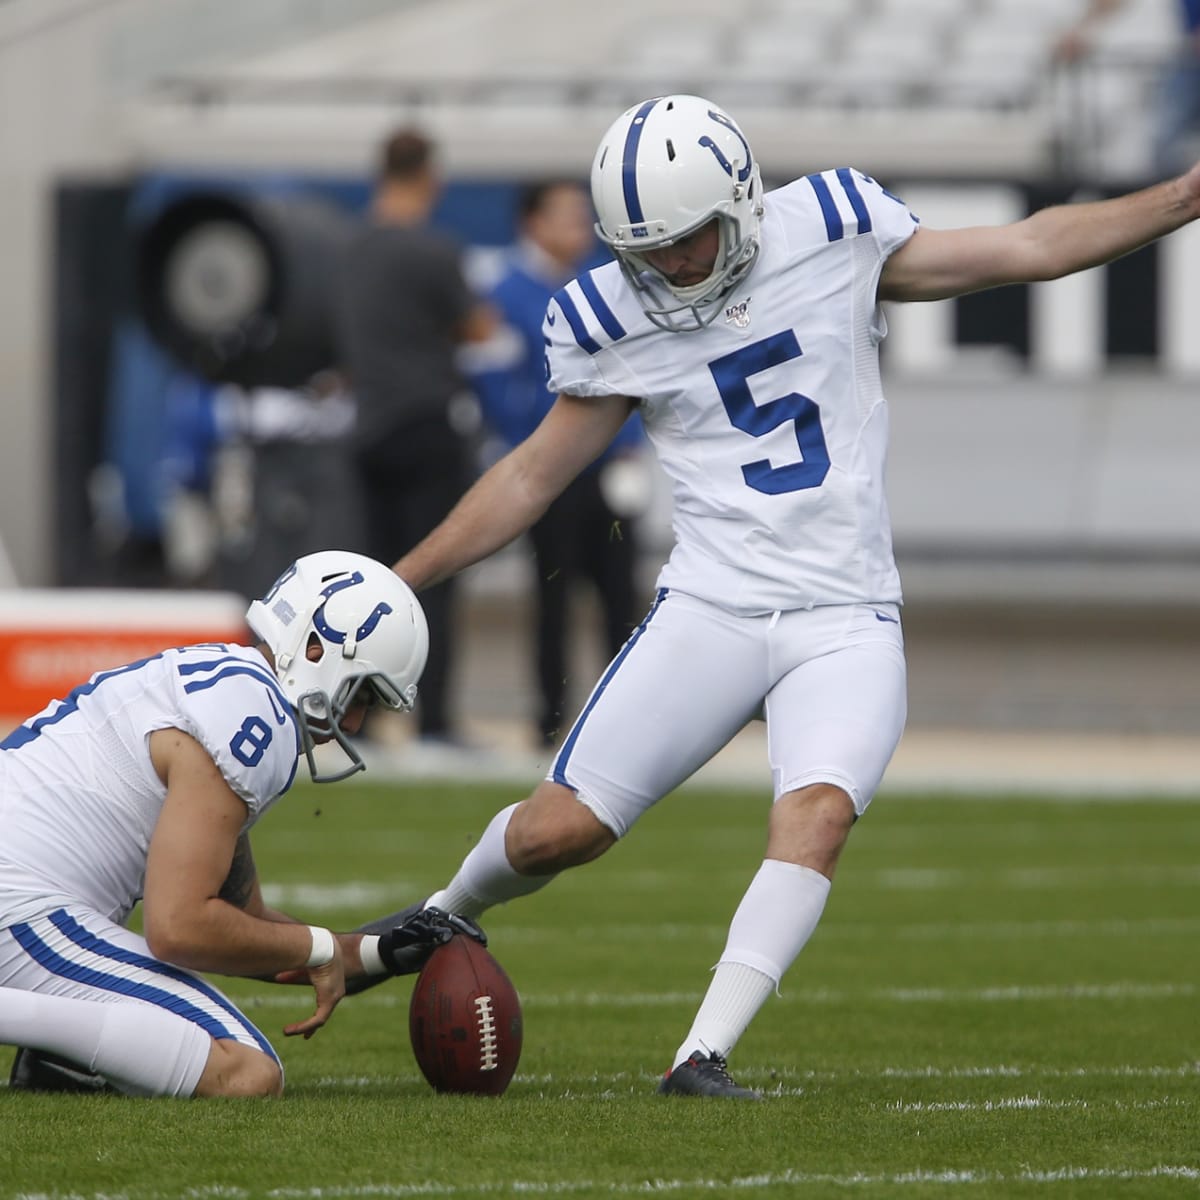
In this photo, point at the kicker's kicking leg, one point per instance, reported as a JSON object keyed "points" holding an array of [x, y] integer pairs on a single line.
{"points": [[523, 848]]}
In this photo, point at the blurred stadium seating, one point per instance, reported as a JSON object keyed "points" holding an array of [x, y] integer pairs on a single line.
{"points": [[906, 85]]}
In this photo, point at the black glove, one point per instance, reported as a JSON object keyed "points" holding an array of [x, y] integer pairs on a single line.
{"points": [[407, 938], [406, 948]]}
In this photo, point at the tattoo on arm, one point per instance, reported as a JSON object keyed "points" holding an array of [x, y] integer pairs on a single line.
{"points": [[238, 887]]}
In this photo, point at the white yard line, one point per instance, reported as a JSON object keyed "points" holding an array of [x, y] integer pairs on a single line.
{"points": [[310, 896], [1124, 990], [831, 928], [1023, 1103], [741, 1184], [384, 898], [1186, 1071], [305, 896], [934, 879]]}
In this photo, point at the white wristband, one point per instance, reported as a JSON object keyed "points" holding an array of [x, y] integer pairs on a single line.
{"points": [[368, 952], [323, 947]]}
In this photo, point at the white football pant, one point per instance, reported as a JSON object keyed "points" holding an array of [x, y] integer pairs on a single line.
{"points": [[74, 954], [830, 681]]}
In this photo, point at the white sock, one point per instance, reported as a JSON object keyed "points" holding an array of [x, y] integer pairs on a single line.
{"points": [[140, 1049], [486, 877], [773, 922], [735, 994]]}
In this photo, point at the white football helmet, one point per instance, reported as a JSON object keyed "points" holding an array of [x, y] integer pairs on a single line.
{"points": [[665, 168], [371, 636]]}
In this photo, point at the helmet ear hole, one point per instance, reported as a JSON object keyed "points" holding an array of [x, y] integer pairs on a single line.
{"points": [[314, 651]]}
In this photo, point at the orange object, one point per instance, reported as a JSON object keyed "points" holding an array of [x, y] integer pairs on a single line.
{"points": [[53, 640]]}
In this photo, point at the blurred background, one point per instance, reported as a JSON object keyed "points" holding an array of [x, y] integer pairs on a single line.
{"points": [[176, 180]]}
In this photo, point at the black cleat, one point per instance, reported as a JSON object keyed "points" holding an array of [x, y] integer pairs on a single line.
{"points": [[407, 939], [388, 923], [704, 1075], [36, 1071]]}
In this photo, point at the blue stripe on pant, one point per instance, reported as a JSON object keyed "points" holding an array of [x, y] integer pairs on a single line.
{"points": [[54, 962], [560, 763]]}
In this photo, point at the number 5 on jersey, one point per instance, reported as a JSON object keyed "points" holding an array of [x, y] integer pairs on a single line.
{"points": [[732, 373]]}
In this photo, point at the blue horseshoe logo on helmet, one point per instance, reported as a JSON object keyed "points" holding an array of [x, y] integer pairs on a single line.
{"points": [[709, 144], [336, 636]]}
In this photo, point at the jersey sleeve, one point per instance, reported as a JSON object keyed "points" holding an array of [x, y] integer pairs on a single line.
{"points": [[580, 328], [844, 203], [237, 712], [891, 220]]}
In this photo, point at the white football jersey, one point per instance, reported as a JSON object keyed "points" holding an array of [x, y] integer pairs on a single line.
{"points": [[79, 796], [770, 422]]}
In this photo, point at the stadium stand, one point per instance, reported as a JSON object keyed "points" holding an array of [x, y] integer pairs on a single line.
{"points": [[908, 85]]}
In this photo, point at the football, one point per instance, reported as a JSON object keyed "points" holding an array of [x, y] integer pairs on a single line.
{"points": [[464, 1020]]}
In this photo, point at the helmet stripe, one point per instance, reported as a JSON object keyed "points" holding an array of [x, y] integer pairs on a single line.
{"points": [[633, 204]]}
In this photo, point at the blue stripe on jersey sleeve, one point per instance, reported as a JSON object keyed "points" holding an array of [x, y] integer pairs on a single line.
{"points": [[847, 180], [833, 220], [211, 664], [604, 314], [226, 665], [200, 685], [567, 306]]}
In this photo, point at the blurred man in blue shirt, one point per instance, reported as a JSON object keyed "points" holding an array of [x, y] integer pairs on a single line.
{"points": [[590, 531]]}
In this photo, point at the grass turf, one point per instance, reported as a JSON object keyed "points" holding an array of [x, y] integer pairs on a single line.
{"points": [[1000, 1002]]}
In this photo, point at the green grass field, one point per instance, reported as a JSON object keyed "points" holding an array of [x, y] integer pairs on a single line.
{"points": [[1000, 1002]]}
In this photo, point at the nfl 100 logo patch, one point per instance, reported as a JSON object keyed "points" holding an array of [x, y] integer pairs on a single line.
{"points": [[739, 314]]}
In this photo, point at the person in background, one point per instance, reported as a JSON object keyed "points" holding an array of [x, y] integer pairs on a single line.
{"points": [[402, 310], [254, 476], [589, 533], [1177, 121]]}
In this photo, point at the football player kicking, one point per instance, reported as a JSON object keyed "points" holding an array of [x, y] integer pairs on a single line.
{"points": [[143, 784], [746, 328]]}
